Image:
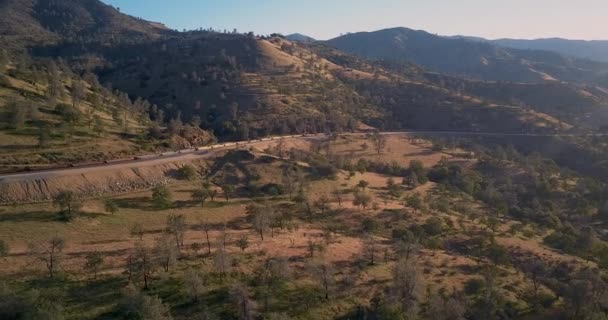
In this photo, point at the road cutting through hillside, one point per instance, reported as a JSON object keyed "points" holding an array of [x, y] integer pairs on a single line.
{"points": [[205, 152]]}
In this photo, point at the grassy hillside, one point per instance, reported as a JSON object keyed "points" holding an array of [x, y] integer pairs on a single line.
{"points": [[302, 237], [51, 116]]}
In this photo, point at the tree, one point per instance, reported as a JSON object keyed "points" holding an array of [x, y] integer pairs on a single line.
{"points": [[206, 227], [222, 262], [323, 272], [417, 170], [17, 304], [414, 201], [141, 263], [68, 204], [362, 199], [78, 92], [136, 305], [536, 271], [161, 197], [444, 308], [338, 196], [362, 185], [201, 195], [228, 190], [322, 203], [406, 288], [93, 262], [55, 88], [187, 172], [137, 230], [394, 191], [177, 226], [272, 276], [244, 306], [498, 254], [262, 218], [165, 252], [49, 252], [110, 206], [243, 242], [379, 141], [370, 247], [193, 281]]}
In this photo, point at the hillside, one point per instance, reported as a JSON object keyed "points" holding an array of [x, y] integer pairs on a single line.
{"points": [[473, 59], [45, 23], [594, 50], [239, 86]]}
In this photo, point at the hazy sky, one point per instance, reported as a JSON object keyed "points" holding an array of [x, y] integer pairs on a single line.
{"points": [[323, 19]]}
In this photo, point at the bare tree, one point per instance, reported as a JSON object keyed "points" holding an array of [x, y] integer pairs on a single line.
{"points": [[536, 271], [142, 264], [338, 195], [244, 305], [370, 247], [322, 204], [406, 288], [93, 262], [272, 276], [379, 141], [194, 284], [177, 226], [323, 272], [49, 252], [445, 308], [222, 261], [206, 227], [142, 306], [165, 252]]}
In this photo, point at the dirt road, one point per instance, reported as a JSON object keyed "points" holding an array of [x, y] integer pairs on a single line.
{"points": [[205, 152]]}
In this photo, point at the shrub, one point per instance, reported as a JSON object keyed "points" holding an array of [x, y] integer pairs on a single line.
{"points": [[473, 286], [187, 172]]}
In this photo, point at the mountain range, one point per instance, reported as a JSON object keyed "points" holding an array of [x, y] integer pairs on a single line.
{"points": [[241, 85]]}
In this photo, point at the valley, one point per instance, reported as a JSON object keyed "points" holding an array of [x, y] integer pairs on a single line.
{"points": [[148, 173]]}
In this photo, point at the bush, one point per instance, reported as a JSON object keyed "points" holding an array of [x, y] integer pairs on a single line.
{"points": [[433, 226], [370, 225], [187, 172], [473, 286]]}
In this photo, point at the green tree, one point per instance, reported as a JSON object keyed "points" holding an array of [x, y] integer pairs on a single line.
{"points": [[187, 172], [362, 199], [162, 197], [201, 195], [110, 206], [67, 202]]}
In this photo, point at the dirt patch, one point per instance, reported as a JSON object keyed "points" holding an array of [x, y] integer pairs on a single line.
{"points": [[90, 184]]}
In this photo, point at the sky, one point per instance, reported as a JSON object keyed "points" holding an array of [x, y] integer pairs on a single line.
{"points": [[325, 19]]}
